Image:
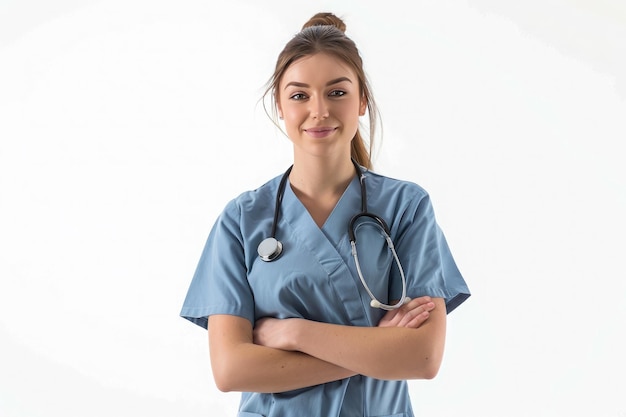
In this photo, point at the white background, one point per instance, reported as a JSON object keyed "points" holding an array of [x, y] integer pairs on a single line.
{"points": [[125, 126]]}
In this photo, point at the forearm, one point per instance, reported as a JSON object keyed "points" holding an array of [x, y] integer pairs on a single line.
{"points": [[256, 368], [383, 353], [241, 365]]}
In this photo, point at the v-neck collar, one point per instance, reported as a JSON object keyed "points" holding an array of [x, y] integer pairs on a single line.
{"points": [[328, 245], [335, 227]]}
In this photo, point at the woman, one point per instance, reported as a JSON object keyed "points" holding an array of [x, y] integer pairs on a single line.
{"points": [[294, 325]]}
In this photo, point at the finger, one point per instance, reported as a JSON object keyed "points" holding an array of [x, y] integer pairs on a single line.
{"points": [[418, 320], [408, 316], [430, 306], [415, 302], [415, 312], [424, 304], [390, 319], [402, 316]]}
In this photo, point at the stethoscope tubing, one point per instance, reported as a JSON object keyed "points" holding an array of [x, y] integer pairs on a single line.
{"points": [[270, 248]]}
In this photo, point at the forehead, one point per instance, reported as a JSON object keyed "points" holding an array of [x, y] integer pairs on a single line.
{"points": [[318, 68]]}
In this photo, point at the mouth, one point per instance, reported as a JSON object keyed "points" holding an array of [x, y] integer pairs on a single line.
{"points": [[320, 132]]}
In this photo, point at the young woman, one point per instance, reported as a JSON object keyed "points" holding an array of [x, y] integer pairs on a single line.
{"points": [[327, 288]]}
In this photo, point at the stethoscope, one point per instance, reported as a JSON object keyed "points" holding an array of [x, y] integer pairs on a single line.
{"points": [[271, 248]]}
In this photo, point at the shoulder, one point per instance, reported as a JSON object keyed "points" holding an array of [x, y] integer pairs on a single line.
{"points": [[393, 189], [249, 214], [254, 200], [402, 203]]}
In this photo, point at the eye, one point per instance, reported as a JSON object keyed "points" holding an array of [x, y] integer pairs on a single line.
{"points": [[297, 96], [337, 93]]}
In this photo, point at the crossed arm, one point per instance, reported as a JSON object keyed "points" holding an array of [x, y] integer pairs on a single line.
{"points": [[281, 355]]}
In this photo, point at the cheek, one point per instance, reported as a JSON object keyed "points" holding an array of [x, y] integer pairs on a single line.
{"points": [[292, 115], [351, 115], [291, 123]]}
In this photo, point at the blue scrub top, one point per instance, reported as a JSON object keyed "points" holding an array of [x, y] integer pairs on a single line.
{"points": [[315, 278]]}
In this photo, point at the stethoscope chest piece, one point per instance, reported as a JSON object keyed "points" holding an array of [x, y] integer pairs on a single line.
{"points": [[270, 249]]}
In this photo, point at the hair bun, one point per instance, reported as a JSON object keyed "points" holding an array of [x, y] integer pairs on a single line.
{"points": [[326, 19]]}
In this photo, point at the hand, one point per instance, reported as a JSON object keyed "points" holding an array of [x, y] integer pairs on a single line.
{"points": [[274, 333], [412, 314]]}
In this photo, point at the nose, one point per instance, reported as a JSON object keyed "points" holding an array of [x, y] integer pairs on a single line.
{"points": [[319, 108]]}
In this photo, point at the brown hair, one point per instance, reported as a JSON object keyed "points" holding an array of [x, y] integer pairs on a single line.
{"points": [[324, 33]]}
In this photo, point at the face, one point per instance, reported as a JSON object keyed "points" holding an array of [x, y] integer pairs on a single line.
{"points": [[320, 103]]}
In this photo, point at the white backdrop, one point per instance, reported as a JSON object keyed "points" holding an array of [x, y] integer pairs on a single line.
{"points": [[125, 126]]}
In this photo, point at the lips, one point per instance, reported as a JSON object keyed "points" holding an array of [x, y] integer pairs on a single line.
{"points": [[320, 132]]}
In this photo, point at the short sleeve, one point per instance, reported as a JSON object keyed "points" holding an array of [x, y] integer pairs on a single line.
{"points": [[428, 264], [219, 284]]}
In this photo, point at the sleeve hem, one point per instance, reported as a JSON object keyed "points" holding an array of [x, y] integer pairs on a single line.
{"points": [[200, 316], [453, 298]]}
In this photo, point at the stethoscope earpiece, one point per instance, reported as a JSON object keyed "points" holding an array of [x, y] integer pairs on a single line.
{"points": [[270, 249]]}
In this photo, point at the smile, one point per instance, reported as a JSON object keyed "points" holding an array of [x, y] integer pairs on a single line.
{"points": [[320, 132]]}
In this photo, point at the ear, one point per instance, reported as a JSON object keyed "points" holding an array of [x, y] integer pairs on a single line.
{"points": [[362, 106], [280, 110]]}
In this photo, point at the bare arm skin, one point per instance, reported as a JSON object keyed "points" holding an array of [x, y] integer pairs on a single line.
{"points": [[378, 352], [242, 363]]}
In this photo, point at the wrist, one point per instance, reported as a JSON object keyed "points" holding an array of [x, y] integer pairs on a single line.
{"points": [[295, 333]]}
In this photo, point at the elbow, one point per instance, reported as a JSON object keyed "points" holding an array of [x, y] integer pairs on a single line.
{"points": [[222, 382], [225, 377], [226, 382], [430, 369], [431, 363], [427, 368], [223, 385]]}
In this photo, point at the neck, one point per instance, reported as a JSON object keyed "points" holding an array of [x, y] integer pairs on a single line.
{"points": [[321, 176]]}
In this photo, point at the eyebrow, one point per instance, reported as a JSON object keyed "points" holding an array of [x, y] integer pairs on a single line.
{"points": [[331, 82]]}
